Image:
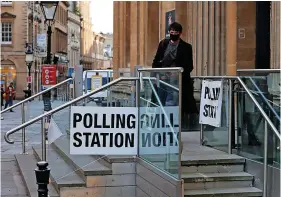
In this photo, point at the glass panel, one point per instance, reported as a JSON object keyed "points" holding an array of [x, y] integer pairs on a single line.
{"points": [[191, 121], [158, 120], [251, 127], [266, 91], [273, 149], [217, 137]]}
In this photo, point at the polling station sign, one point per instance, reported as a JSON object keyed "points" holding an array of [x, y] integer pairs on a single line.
{"points": [[159, 130], [104, 130], [211, 102]]}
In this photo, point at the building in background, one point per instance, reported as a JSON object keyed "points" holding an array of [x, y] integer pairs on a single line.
{"points": [[108, 51], [60, 40], [14, 35], [87, 38], [74, 36], [98, 46], [37, 35], [225, 36]]}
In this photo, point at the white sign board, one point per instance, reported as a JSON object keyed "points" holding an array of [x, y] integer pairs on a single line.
{"points": [[158, 130], [103, 130], [211, 102], [42, 45]]}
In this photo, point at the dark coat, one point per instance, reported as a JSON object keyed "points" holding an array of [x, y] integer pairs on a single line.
{"points": [[184, 59]]}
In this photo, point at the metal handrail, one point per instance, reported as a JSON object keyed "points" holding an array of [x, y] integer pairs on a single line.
{"points": [[35, 95], [260, 108], [213, 77], [274, 70], [179, 69], [149, 102], [265, 99], [7, 134], [163, 82]]}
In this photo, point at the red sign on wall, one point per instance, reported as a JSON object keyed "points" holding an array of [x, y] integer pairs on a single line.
{"points": [[49, 75], [28, 79]]}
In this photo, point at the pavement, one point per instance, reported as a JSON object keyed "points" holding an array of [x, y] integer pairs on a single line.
{"points": [[12, 184]]}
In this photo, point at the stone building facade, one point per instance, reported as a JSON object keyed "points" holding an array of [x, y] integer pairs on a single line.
{"points": [[73, 38], [225, 36], [87, 37], [108, 51], [59, 47], [14, 25], [98, 55]]}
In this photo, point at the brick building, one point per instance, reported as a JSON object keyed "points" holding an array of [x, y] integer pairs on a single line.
{"points": [[225, 36], [14, 35]]}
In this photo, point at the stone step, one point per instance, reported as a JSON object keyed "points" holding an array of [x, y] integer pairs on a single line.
{"points": [[62, 174], [27, 165], [224, 192], [118, 158], [218, 168], [225, 159], [217, 180], [85, 165]]}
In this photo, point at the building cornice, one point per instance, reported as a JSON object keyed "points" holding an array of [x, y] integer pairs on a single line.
{"points": [[7, 15], [73, 17]]}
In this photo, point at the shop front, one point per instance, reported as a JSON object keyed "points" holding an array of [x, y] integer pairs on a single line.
{"points": [[8, 74]]}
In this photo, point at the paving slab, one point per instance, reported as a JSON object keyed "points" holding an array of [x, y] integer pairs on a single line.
{"points": [[27, 165]]}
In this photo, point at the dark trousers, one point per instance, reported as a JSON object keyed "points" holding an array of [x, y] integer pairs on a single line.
{"points": [[9, 102]]}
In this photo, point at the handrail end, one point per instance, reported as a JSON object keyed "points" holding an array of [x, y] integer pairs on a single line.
{"points": [[6, 137]]}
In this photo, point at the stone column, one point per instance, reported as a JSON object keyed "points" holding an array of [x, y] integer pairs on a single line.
{"points": [[231, 37], [134, 34], [116, 36]]}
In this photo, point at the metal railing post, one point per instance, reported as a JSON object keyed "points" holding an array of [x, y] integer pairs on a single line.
{"points": [[74, 91], [265, 159], [230, 108], [23, 129], [43, 139], [137, 98], [180, 124], [201, 134]]}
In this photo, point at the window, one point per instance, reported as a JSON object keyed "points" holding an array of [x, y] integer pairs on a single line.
{"points": [[6, 3], [6, 37]]}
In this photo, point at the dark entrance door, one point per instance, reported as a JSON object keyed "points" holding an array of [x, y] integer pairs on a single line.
{"points": [[262, 34]]}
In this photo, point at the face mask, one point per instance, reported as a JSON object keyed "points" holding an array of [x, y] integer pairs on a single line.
{"points": [[174, 37]]}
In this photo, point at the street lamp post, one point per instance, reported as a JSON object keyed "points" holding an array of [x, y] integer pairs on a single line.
{"points": [[28, 61], [49, 10], [43, 173]]}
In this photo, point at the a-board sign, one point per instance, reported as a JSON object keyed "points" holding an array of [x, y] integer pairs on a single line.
{"points": [[114, 130], [211, 103], [96, 82], [103, 130]]}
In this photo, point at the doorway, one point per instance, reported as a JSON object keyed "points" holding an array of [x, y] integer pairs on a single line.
{"points": [[263, 34]]}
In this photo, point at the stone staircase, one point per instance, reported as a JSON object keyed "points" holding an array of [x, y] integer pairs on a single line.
{"points": [[217, 175], [77, 175], [206, 175]]}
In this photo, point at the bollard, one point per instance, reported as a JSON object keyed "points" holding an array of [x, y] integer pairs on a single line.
{"points": [[42, 178]]}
